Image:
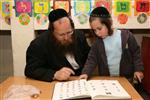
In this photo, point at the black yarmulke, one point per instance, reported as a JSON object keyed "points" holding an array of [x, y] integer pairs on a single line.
{"points": [[57, 14], [101, 12]]}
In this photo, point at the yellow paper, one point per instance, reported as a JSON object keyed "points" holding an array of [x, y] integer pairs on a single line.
{"points": [[6, 8], [122, 6], [41, 7]]}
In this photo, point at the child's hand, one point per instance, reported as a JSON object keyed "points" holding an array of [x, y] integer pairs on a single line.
{"points": [[138, 76], [83, 76]]}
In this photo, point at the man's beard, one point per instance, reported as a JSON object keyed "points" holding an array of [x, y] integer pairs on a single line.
{"points": [[63, 49]]}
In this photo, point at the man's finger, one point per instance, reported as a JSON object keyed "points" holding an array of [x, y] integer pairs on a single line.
{"points": [[84, 76], [67, 72], [70, 70], [139, 78]]}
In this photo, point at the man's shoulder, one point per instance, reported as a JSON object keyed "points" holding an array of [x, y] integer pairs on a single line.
{"points": [[45, 34], [42, 38]]}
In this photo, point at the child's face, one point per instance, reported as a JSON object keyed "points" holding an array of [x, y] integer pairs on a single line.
{"points": [[99, 28]]}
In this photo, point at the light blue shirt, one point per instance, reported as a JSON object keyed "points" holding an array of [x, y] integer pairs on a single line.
{"points": [[113, 48]]}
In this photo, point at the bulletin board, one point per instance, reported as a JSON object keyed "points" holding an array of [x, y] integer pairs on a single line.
{"points": [[127, 14]]}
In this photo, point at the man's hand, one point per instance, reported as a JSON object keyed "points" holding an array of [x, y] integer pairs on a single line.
{"points": [[83, 76], [63, 74], [138, 76]]}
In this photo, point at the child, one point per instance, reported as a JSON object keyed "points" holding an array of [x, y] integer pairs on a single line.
{"points": [[116, 52]]}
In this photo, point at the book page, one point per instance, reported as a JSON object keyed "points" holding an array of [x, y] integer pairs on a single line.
{"points": [[106, 89], [70, 90]]}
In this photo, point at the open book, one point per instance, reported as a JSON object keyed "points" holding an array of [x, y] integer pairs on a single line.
{"points": [[94, 89]]}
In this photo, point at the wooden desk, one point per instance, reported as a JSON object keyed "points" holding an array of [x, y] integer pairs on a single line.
{"points": [[47, 87]]}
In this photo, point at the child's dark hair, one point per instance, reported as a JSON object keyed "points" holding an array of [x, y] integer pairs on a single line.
{"points": [[104, 17]]}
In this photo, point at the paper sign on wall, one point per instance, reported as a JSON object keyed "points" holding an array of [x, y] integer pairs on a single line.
{"points": [[122, 10], [82, 6], [41, 11], [142, 10], [23, 10], [142, 6], [64, 4], [123, 6], [6, 10], [82, 9], [41, 7], [104, 3], [23, 6]]}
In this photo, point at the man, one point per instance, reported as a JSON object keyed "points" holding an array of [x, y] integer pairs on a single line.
{"points": [[59, 52]]}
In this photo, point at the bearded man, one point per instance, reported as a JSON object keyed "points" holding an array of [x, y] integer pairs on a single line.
{"points": [[59, 52]]}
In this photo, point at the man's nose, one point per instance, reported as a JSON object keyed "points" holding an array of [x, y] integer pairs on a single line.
{"points": [[66, 36]]}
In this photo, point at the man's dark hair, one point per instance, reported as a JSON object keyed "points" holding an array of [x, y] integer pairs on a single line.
{"points": [[57, 14], [51, 25]]}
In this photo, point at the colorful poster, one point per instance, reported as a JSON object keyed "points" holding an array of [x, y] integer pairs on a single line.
{"points": [[125, 13], [142, 18], [142, 10], [6, 10], [23, 6], [41, 11], [41, 7], [122, 18], [82, 9], [122, 6], [41, 19], [122, 9], [0, 14], [142, 6], [82, 6], [1, 8], [64, 4], [105, 3], [24, 19]]}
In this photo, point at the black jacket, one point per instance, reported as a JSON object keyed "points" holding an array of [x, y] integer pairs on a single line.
{"points": [[42, 61]]}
